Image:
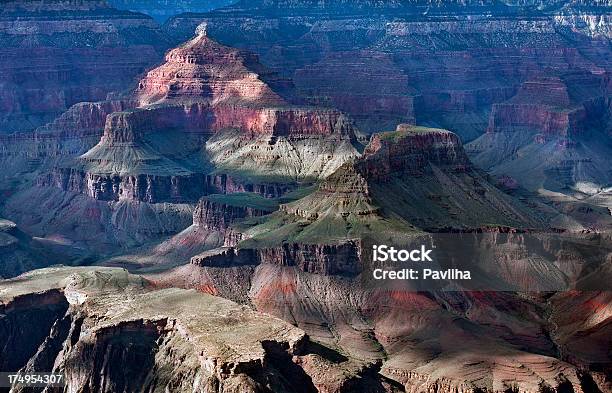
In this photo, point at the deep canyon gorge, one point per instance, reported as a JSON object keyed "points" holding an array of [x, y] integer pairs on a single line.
{"points": [[191, 191]]}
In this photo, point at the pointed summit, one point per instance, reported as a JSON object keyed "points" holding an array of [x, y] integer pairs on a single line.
{"points": [[202, 29], [202, 70]]}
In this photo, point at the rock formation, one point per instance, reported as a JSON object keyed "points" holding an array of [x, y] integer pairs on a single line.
{"points": [[206, 71], [416, 332], [102, 318], [551, 136], [409, 150], [307, 263], [16, 252], [366, 84], [396, 189], [435, 63], [68, 46], [205, 89], [217, 212], [203, 122]]}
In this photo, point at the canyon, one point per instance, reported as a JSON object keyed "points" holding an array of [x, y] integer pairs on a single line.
{"points": [[201, 198], [156, 329], [75, 51], [433, 63]]}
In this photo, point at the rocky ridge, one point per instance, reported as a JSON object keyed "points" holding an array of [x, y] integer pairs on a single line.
{"points": [[327, 231], [396, 325], [79, 320]]}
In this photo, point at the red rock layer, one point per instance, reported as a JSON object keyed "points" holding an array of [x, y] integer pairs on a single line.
{"points": [[553, 107], [206, 70], [129, 126], [546, 120]]}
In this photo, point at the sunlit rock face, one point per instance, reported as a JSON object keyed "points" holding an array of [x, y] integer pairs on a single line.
{"points": [[208, 90], [207, 120], [207, 71], [75, 51]]}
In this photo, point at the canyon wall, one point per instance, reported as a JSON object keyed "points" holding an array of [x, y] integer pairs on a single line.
{"points": [[327, 259], [553, 134], [161, 10], [195, 356], [75, 51], [410, 150]]}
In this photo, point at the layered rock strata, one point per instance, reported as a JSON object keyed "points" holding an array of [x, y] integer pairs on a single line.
{"points": [[543, 105], [396, 325], [326, 259], [192, 128], [552, 135], [410, 150], [206, 89], [219, 214], [100, 318], [68, 46], [408, 173], [448, 67], [395, 189]]}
